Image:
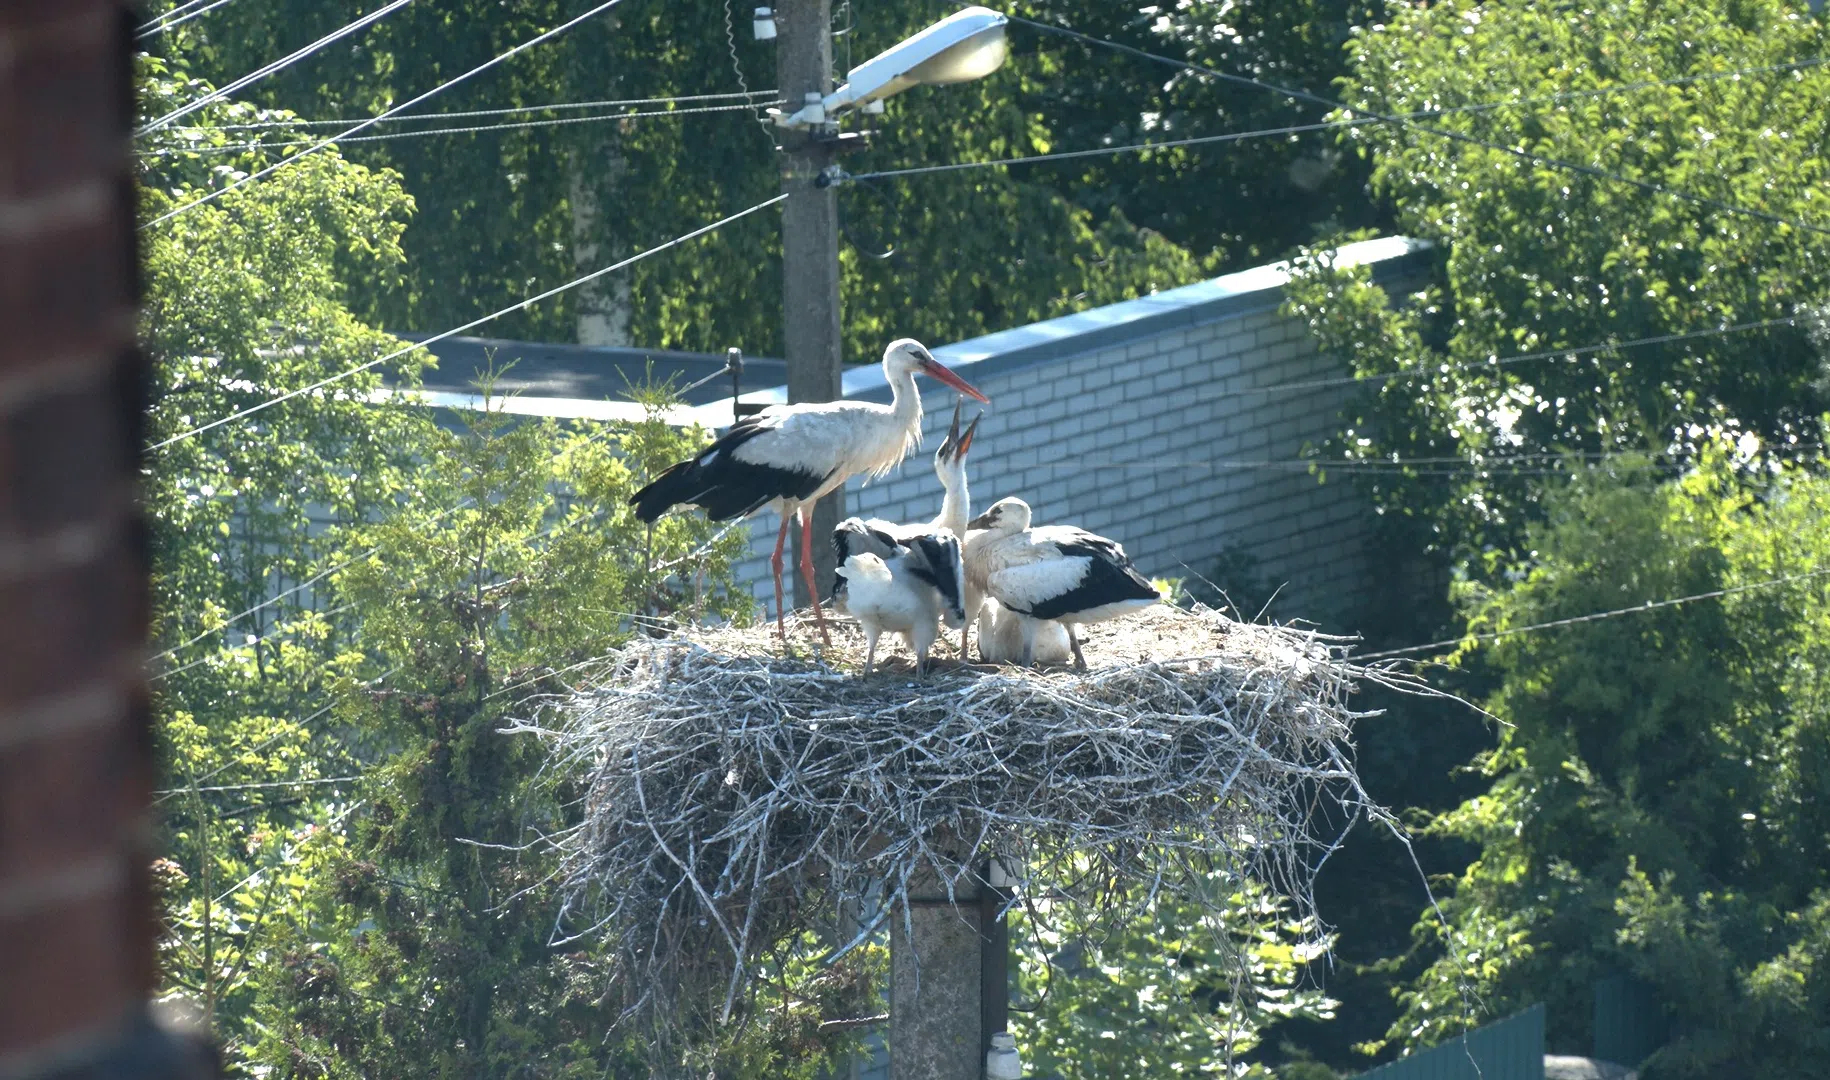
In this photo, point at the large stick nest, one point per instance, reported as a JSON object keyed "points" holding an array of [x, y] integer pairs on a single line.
{"points": [[734, 797]]}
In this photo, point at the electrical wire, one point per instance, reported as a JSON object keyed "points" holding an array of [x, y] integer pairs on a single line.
{"points": [[471, 325], [166, 21], [1593, 171], [1104, 151], [462, 504], [232, 148], [471, 114], [1636, 609], [276, 632], [267, 69], [730, 42], [260, 786], [395, 111], [1330, 125], [1546, 354]]}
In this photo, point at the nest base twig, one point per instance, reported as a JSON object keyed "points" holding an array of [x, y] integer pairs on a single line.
{"points": [[735, 796]]}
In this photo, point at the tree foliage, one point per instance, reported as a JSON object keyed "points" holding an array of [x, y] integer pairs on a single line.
{"points": [[505, 212], [1659, 792], [1186, 988], [1534, 258], [246, 298]]}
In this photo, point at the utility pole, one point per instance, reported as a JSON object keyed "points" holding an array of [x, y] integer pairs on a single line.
{"points": [[810, 243], [937, 979]]}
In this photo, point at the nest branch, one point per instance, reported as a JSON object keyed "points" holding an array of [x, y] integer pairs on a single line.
{"points": [[734, 799]]}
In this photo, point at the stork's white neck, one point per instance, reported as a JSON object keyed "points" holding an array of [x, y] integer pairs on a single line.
{"points": [[956, 507], [905, 400]]}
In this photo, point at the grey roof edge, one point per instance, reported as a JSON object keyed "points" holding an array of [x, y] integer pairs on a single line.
{"points": [[1228, 296], [575, 349]]}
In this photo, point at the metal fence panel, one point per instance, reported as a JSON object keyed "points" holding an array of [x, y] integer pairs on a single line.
{"points": [[1629, 1021], [1509, 1049]]}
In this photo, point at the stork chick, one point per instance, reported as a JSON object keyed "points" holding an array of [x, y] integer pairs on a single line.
{"points": [[886, 539], [1055, 572], [789, 456], [1001, 636], [881, 598]]}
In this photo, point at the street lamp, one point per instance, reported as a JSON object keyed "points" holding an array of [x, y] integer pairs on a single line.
{"points": [[966, 45]]}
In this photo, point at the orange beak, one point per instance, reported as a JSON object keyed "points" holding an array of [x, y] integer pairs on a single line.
{"points": [[931, 367]]}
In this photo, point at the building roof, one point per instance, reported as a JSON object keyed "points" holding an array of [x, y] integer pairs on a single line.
{"points": [[587, 382], [1258, 288], [584, 381]]}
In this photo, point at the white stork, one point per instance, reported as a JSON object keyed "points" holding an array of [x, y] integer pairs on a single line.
{"points": [[788, 456], [1001, 636], [888, 539], [882, 596], [1055, 572]]}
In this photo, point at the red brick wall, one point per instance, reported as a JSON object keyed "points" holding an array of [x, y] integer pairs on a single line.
{"points": [[75, 763]]}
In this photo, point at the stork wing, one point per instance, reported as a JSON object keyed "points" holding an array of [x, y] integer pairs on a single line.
{"points": [[1028, 586], [1072, 541], [857, 536], [934, 558], [818, 439]]}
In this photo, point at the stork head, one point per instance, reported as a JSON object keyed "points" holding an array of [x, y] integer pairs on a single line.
{"points": [[1007, 515], [906, 355], [952, 452], [865, 567]]}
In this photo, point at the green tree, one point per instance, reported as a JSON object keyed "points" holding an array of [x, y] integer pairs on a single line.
{"points": [[1531, 257], [246, 298], [504, 210], [429, 947], [1659, 793], [1184, 985]]}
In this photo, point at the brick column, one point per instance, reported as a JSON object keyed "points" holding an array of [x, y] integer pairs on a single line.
{"points": [[76, 770]]}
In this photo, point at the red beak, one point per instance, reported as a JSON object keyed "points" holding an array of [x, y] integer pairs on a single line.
{"points": [[932, 368]]}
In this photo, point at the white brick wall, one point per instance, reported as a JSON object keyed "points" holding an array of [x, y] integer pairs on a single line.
{"points": [[1155, 437]]}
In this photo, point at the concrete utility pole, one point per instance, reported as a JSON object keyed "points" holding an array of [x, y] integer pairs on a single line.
{"points": [[948, 970], [810, 244]]}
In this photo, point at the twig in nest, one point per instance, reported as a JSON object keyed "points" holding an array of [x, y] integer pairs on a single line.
{"points": [[735, 796]]}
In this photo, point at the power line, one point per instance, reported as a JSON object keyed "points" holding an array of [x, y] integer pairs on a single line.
{"points": [[166, 21], [276, 598], [474, 323], [278, 632], [730, 41], [260, 786], [470, 114], [164, 795], [1650, 605], [462, 504], [1473, 140], [1103, 151], [231, 148], [267, 69], [395, 111], [1329, 125], [1547, 354]]}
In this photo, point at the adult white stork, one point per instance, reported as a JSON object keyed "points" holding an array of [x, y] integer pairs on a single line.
{"points": [[1055, 572], [788, 456]]}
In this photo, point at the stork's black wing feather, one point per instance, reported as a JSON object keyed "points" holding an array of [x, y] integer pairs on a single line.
{"points": [[941, 566], [1110, 578], [722, 485]]}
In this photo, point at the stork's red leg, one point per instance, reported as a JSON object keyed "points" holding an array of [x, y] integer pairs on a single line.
{"points": [[813, 587], [775, 563]]}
